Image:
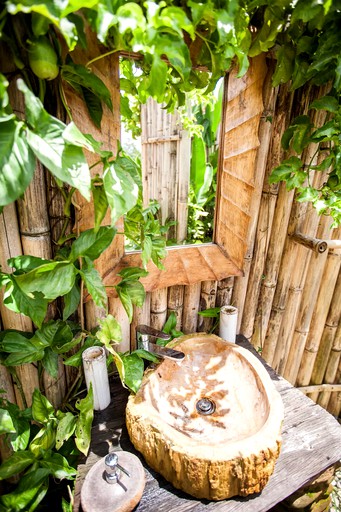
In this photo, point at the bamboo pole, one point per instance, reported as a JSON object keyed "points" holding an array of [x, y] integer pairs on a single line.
{"points": [[207, 300], [310, 242], [327, 339], [10, 246], [175, 303], [140, 316], [184, 165], [117, 310], [315, 388], [334, 405], [158, 308], [191, 308], [332, 366], [318, 321], [224, 291]]}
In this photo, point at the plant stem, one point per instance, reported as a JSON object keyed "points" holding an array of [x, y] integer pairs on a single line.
{"points": [[100, 57]]}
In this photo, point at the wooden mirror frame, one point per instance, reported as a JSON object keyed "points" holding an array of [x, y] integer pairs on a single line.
{"points": [[237, 181]]}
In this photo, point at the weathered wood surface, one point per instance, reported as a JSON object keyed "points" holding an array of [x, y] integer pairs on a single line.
{"points": [[311, 444]]}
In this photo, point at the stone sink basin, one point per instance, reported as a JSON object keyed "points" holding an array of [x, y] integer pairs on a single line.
{"points": [[210, 424]]}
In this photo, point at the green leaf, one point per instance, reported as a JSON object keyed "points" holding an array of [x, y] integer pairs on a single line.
{"points": [[50, 362], [28, 494], [52, 333], [22, 424], [109, 332], [285, 65], [328, 103], [326, 132], [82, 76], [120, 189], [210, 313], [100, 203], [170, 323], [58, 466], [126, 301], [33, 305], [64, 346], [94, 106], [43, 441], [25, 263], [17, 161], [204, 190], [133, 371], [52, 279], [147, 250], [65, 429], [91, 243], [131, 273], [308, 194], [285, 169], [84, 422], [71, 301], [16, 464], [94, 283], [42, 410], [6, 423], [144, 354], [46, 139], [21, 349], [198, 163], [76, 359]]}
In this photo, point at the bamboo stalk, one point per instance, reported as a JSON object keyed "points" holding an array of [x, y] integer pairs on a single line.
{"points": [[140, 316], [10, 246], [224, 291], [117, 310], [207, 300], [175, 304], [334, 405], [327, 338], [324, 298], [191, 308], [158, 308], [311, 243], [184, 161], [332, 366]]}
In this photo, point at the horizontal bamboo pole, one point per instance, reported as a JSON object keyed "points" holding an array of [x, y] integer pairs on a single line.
{"points": [[311, 243]]}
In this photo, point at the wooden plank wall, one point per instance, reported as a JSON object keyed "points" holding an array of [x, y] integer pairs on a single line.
{"points": [[289, 299]]}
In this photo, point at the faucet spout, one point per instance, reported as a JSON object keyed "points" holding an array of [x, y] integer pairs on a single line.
{"points": [[143, 335]]}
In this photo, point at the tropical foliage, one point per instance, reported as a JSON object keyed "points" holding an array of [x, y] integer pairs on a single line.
{"points": [[178, 47]]}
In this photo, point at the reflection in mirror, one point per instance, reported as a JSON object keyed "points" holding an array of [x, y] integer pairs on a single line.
{"points": [[178, 153]]}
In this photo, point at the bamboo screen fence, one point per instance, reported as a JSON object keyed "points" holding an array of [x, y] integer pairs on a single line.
{"points": [[289, 299]]}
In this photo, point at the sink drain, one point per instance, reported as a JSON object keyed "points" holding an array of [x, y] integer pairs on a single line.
{"points": [[205, 406]]}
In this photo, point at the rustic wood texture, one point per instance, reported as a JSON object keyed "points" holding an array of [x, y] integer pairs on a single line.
{"points": [[311, 444]]}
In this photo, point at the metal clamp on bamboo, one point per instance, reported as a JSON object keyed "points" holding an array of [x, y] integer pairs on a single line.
{"points": [[315, 244]]}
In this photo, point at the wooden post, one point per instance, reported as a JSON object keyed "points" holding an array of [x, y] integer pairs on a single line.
{"points": [[191, 308], [176, 303], [207, 301], [158, 308]]}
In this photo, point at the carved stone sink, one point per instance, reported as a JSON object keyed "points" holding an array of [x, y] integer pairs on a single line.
{"points": [[211, 423]]}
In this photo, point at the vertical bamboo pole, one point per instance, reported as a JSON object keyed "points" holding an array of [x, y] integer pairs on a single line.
{"points": [[141, 316], [224, 291], [332, 366], [326, 341], [334, 405], [207, 300], [117, 310], [191, 308], [323, 302], [10, 246], [176, 303], [158, 308], [184, 165]]}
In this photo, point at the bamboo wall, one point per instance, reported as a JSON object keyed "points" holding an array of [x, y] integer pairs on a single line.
{"points": [[289, 299]]}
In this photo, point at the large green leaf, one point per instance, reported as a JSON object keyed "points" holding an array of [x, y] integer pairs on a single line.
{"points": [[53, 279], [28, 494], [131, 292], [71, 300], [33, 305], [133, 371], [65, 429], [25, 263], [17, 161], [84, 422], [43, 441], [58, 466], [52, 333], [42, 410], [94, 283], [121, 190], [6, 423], [92, 244], [21, 349], [100, 202], [50, 362], [16, 463], [45, 137]]}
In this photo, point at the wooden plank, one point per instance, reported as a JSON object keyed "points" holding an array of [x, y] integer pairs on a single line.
{"points": [[241, 168], [311, 444], [183, 265], [229, 185]]}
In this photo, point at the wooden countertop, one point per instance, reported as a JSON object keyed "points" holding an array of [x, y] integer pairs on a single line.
{"points": [[311, 444]]}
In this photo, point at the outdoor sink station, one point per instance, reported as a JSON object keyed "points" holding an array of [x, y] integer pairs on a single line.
{"points": [[211, 423]]}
